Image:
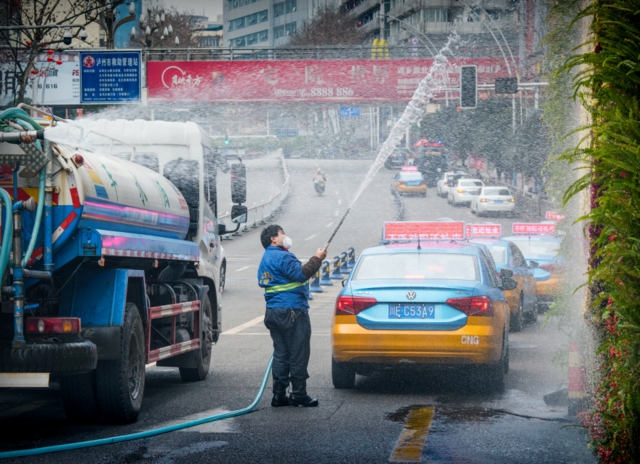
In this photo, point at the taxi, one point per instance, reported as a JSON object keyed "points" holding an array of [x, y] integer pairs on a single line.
{"points": [[506, 255], [409, 180], [425, 296], [541, 248]]}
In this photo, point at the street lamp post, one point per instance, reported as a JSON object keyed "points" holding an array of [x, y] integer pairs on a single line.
{"points": [[108, 19], [152, 23]]}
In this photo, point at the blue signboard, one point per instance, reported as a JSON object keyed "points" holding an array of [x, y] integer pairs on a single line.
{"points": [[352, 112], [108, 77]]}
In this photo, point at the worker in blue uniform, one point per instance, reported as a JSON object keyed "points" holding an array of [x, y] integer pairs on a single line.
{"points": [[284, 279]]}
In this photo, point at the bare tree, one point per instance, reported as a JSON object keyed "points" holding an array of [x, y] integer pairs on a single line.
{"points": [[330, 26], [36, 25], [154, 31]]}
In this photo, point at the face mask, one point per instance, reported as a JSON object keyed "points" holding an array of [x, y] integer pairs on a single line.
{"points": [[287, 242]]}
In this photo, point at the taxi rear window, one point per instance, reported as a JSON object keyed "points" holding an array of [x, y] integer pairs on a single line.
{"points": [[470, 183], [495, 191], [419, 266], [539, 248], [499, 253], [411, 175]]}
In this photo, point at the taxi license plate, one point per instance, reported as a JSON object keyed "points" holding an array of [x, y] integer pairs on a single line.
{"points": [[499, 202], [414, 311]]}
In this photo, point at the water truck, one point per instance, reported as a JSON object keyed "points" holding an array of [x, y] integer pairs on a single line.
{"points": [[110, 256]]}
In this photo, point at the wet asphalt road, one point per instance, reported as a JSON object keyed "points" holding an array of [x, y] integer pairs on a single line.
{"points": [[362, 425]]}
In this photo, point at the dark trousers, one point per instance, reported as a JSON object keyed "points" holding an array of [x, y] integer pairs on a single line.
{"points": [[291, 335]]}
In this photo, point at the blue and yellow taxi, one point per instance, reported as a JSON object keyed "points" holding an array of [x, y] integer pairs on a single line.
{"points": [[506, 255], [409, 180], [541, 248], [423, 296]]}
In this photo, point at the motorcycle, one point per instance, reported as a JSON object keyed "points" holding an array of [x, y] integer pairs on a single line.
{"points": [[319, 185]]}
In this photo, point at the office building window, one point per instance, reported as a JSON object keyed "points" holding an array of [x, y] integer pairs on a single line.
{"points": [[250, 39], [248, 20], [435, 15], [278, 9], [290, 28], [233, 4]]}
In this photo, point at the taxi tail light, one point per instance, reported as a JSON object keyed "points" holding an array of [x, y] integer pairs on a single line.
{"points": [[473, 306], [512, 200], [402, 182], [483, 200], [422, 182], [445, 183], [52, 325], [352, 305], [460, 191]]}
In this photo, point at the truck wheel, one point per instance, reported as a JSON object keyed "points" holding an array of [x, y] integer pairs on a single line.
{"points": [[120, 384], [195, 374], [55, 357], [79, 397]]}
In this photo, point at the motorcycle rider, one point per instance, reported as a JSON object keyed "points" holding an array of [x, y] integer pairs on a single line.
{"points": [[319, 176]]}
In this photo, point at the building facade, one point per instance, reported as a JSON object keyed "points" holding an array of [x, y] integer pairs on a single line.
{"points": [[267, 23]]}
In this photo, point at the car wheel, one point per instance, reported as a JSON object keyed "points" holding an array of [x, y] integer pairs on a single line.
{"points": [[517, 319], [223, 276], [343, 375], [532, 316]]}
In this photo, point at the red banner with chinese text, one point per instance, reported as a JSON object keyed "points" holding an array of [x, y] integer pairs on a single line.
{"points": [[306, 80]]}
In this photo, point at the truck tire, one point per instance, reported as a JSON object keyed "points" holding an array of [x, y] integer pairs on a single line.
{"points": [[195, 374], [120, 383], [55, 357], [79, 397]]}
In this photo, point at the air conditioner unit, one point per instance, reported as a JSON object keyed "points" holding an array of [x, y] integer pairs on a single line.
{"points": [[293, 9], [288, 32]]}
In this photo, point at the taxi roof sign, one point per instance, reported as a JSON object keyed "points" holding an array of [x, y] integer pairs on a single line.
{"points": [[554, 216], [533, 228], [424, 230], [484, 230], [409, 168]]}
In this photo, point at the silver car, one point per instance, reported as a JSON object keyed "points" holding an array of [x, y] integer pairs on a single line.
{"points": [[493, 200], [464, 191], [442, 187]]}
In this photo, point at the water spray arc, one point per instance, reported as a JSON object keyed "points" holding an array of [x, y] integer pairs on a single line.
{"points": [[414, 110]]}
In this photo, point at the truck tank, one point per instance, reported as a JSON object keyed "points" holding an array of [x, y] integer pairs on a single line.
{"points": [[104, 192]]}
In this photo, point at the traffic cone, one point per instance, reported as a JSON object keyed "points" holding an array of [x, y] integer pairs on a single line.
{"points": [[576, 393]]}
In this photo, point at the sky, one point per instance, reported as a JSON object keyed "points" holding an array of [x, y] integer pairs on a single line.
{"points": [[212, 8]]}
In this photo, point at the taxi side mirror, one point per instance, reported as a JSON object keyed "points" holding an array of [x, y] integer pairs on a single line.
{"points": [[508, 273], [508, 283], [343, 282]]}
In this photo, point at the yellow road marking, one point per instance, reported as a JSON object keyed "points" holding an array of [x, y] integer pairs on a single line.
{"points": [[413, 437]]}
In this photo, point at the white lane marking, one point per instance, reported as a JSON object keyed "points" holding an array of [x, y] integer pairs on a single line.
{"points": [[329, 225], [243, 268], [309, 238], [339, 202], [241, 327], [337, 213]]}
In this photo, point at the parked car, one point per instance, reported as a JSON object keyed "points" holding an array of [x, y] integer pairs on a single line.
{"points": [[463, 191], [493, 200], [400, 157]]}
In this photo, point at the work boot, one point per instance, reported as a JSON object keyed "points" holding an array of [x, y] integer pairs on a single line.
{"points": [[280, 397], [305, 401], [299, 395]]}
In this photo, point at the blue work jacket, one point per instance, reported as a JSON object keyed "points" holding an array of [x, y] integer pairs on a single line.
{"points": [[285, 285]]}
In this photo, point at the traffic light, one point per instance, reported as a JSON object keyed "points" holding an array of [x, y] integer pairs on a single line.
{"points": [[226, 138], [468, 87]]}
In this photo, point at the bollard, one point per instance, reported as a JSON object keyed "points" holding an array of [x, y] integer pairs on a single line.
{"points": [[314, 284], [255, 226], [576, 393], [352, 257], [344, 269], [325, 279], [335, 274]]}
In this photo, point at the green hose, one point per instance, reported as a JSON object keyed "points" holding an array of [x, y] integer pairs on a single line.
{"points": [[36, 225], [146, 434], [7, 232]]}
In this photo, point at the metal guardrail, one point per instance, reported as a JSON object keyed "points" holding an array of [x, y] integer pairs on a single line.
{"points": [[258, 214]]}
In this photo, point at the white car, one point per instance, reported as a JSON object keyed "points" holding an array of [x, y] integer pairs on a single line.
{"points": [[493, 200], [442, 187], [464, 191]]}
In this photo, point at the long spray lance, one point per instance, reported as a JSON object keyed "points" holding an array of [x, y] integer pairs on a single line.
{"points": [[338, 226]]}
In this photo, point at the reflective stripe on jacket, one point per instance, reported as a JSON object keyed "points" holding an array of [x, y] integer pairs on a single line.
{"points": [[280, 274]]}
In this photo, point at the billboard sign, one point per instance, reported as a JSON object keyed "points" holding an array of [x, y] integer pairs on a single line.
{"points": [[306, 80], [49, 83], [109, 77]]}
